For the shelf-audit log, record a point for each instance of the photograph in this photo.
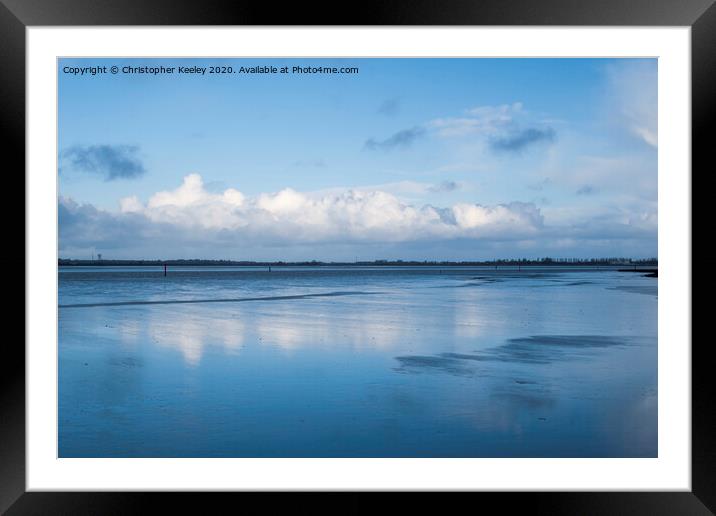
(415, 248)
(357, 257)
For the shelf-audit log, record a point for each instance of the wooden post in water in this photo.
(165, 270)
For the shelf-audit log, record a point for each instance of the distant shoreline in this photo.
(596, 262)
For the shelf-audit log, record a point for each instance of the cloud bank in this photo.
(193, 221)
(351, 215)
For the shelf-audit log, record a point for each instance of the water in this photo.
(357, 362)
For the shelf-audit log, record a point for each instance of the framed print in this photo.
(423, 252)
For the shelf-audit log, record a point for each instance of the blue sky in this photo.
(408, 158)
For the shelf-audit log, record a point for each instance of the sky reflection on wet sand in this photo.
(415, 364)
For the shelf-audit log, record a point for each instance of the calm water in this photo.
(357, 362)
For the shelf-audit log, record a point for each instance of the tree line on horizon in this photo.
(508, 261)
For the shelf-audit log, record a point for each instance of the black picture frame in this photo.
(16, 15)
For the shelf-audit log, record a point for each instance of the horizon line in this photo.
(545, 260)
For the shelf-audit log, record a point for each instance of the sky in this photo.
(417, 159)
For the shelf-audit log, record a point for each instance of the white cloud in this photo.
(191, 222)
(506, 129)
(407, 191)
(633, 89)
(483, 120)
(190, 205)
(350, 214)
(130, 205)
(473, 216)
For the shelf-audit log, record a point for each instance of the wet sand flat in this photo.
(357, 362)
